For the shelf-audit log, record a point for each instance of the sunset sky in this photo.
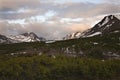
(53, 19)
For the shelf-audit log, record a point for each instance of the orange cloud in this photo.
(79, 27)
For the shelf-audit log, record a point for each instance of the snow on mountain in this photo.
(26, 37)
(72, 36)
(96, 33)
(4, 39)
(108, 24)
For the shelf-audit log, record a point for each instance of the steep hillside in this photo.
(109, 24)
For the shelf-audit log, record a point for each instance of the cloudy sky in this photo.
(53, 19)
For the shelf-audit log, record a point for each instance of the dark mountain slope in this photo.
(110, 24)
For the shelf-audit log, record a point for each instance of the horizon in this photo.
(53, 19)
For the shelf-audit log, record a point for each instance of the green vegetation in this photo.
(59, 68)
(98, 47)
(37, 61)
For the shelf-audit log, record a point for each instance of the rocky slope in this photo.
(4, 39)
(110, 24)
(25, 37)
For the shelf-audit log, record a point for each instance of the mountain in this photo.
(26, 37)
(109, 24)
(101, 42)
(4, 39)
(72, 36)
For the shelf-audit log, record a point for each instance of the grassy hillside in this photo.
(95, 58)
(106, 46)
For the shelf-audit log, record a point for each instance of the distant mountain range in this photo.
(101, 41)
(4, 39)
(109, 24)
(25, 37)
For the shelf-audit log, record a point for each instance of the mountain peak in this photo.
(26, 37)
(28, 33)
(107, 25)
(106, 20)
(4, 39)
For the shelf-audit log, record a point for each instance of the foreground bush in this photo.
(59, 68)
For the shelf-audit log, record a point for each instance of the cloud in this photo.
(79, 27)
(53, 30)
(8, 29)
(103, 9)
(70, 20)
(112, 1)
(16, 4)
(52, 19)
(14, 9)
(76, 10)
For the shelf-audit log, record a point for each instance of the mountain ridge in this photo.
(24, 37)
(107, 25)
(110, 23)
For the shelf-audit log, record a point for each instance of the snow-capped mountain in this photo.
(4, 39)
(72, 36)
(26, 37)
(109, 24)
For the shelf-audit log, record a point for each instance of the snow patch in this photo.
(95, 43)
(106, 21)
(94, 34)
(116, 31)
(72, 36)
(2, 41)
(78, 35)
(113, 22)
(51, 41)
